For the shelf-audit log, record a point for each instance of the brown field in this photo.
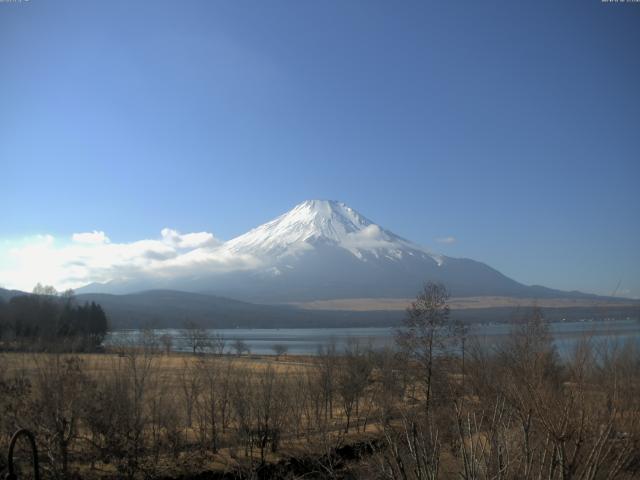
(458, 303)
(141, 413)
(171, 365)
(176, 379)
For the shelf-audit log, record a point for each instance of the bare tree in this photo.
(15, 389)
(352, 379)
(190, 387)
(538, 417)
(410, 451)
(327, 359)
(167, 343)
(244, 416)
(213, 374)
(149, 340)
(44, 290)
(196, 337)
(57, 407)
(428, 330)
(240, 347)
(280, 349)
(391, 384)
(527, 413)
(270, 408)
(116, 414)
(218, 343)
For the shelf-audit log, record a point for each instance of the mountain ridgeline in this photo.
(173, 309)
(323, 250)
(285, 272)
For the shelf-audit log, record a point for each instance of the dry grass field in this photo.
(142, 413)
(180, 397)
(461, 303)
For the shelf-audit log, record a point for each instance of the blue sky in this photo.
(513, 127)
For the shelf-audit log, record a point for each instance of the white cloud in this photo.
(446, 240)
(189, 240)
(370, 237)
(93, 257)
(90, 237)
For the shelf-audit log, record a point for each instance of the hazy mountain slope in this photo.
(170, 309)
(326, 250)
(7, 295)
(165, 308)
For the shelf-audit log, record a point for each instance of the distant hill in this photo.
(7, 295)
(170, 309)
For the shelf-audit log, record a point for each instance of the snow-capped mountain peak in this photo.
(321, 222)
(322, 249)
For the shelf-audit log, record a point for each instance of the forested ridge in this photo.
(46, 317)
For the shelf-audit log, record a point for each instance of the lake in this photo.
(305, 341)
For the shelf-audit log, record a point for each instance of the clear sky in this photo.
(512, 127)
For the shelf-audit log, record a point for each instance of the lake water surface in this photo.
(305, 341)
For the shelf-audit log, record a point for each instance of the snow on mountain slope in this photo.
(328, 222)
(322, 250)
(309, 220)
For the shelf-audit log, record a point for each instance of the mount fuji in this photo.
(324, 250)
